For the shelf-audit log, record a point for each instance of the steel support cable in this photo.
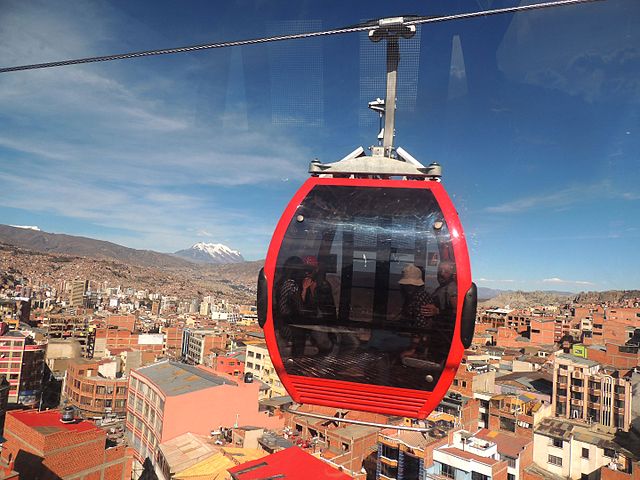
(294, 36)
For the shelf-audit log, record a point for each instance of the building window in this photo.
(388, 470)
(478, 476)
(556, 442)
(448, 471)
(553, 460)
(609, 452)
(511, 476)
(389, 452)
(585, 453)
(511, 462)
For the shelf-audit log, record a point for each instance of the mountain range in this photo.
(203, 267)
(215, 253)
(39, 241)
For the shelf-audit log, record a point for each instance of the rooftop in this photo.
(456, 452)
(215, 466)
(289, 464)
(509, 445)
(186, 450)
(178, 379)
(48, 422)
(579, 360)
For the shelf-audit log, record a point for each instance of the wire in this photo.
(338, 31)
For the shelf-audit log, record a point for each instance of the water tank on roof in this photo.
(248, 377)
(68, 415)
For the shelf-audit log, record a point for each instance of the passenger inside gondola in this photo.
(318, 307)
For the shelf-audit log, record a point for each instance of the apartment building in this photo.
(401, 454)
(78, 289)
(22, 363)
(470, 457)
(15, 310)
(70, 327)
(258, 363)
(465, 410)
(574, 450)
(198, 344)
(96, 387)
(168, 399)
(586, 390)
(518, 414)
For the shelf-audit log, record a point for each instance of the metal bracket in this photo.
(357, 422)
(357, 163)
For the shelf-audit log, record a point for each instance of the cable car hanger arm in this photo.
(368, 26)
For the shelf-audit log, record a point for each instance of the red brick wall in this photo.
(127, 322)
(542, 332)
(499, 471)
(63, 453)
(526, 457)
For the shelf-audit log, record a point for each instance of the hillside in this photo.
(187, 281)
(610, 296)
(39, 241)
(520, 299)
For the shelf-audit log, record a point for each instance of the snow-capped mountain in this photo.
(211, 253)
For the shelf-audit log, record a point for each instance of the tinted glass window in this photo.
(365, 287)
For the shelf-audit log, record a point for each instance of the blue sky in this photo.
(534, 117)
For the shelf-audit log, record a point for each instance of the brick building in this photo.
(231, 364)
(110, 339)
(39, 445)
(518, 414)
(22, 363)
(172, 341)
(543, 331)
(126, 322)
(95, 387)
(402, 454)
(465, 409)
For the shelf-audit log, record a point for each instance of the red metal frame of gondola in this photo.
(366, 397)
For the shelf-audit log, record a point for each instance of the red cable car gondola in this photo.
(366, 297)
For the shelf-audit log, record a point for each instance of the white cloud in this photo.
(489, 280)
(118, 145)
(557, 280)
(562, 198)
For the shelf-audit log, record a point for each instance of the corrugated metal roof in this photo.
(177, 378)
(215, 467)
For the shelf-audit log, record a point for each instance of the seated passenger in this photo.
(318, 307)
(288, 309)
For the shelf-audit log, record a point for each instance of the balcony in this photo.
(389, 461)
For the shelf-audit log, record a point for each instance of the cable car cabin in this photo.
(366, 296)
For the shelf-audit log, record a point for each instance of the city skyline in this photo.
(162, 153)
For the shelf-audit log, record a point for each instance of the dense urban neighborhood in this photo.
(107, 379)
